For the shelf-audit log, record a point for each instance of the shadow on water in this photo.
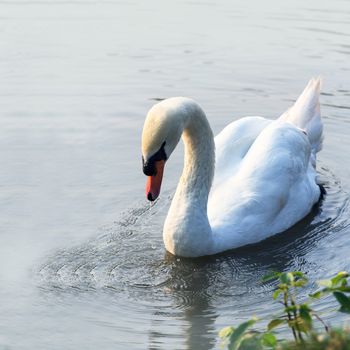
(128, 263)
(189, 288)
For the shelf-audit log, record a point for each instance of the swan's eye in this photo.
(149, 166)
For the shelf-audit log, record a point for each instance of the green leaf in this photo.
(237, 335)
(305, 307)
(306, 316)
(292, 308)
(268, 339)
(251, 341)
(226, 332)
(343, 300)
(325, 283)
(276, 293)
(316, 295)
(299, 274)
(275, 323)
(250, 344)
(300, 283)
(300, 325)
(339, 278)
(271, 276)
(287, 278)
(283, 287)
(345, 289)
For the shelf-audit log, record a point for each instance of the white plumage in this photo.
(263, 180)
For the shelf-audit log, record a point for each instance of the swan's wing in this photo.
(232, 145)
(273, 188)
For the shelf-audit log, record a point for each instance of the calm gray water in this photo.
(82, 263)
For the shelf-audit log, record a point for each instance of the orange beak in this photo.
(154, 182)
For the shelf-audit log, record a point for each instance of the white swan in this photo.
(265, 177)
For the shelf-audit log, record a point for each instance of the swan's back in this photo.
(232, 145)
(265, 179)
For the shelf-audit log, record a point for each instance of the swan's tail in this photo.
(305, 114)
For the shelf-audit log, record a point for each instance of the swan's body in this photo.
(264, 181)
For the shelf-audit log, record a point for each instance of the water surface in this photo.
(82, 262)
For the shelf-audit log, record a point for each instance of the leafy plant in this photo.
(299, 317)
(244, 338)
(336, 339)
(338, 286)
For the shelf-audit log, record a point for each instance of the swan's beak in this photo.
(155, 181)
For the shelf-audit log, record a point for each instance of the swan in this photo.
(260, 181)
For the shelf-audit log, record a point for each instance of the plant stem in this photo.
(285, 298)
(320, 319)
(292, 300)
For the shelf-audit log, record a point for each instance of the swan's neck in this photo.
(187, 231)
(198, 172)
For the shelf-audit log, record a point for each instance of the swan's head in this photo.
(161, 133)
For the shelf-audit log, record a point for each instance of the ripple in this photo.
(129, 260)
(336, 106)
(324, 31)
(127, 270)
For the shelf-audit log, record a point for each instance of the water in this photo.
(81, 253)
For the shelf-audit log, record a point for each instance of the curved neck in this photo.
(199, 162)
(187, 231)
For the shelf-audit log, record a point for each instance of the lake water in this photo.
(82, 262)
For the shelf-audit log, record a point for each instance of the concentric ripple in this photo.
(128, 261)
